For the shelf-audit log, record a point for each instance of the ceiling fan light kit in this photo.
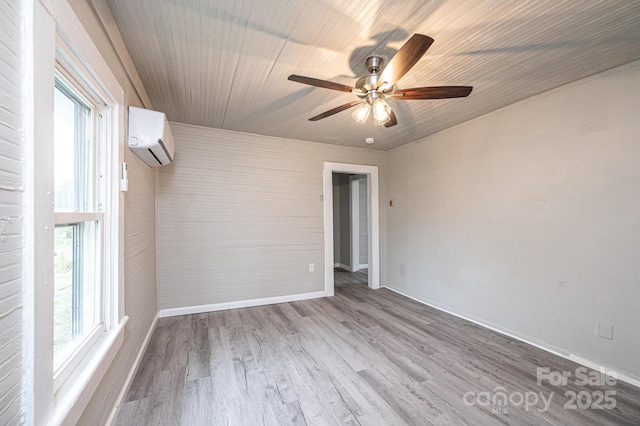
(379, 84)
(381, 111)
(361, 114)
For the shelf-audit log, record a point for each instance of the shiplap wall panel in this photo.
(11, 213)
(240, 216)
(224, 64)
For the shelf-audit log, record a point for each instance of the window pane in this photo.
(63, 286)
(74, 310)
(72, 153)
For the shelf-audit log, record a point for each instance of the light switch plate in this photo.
(605, 330)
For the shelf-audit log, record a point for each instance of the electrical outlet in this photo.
(312, 267)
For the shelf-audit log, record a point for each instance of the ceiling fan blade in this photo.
(334, 110)
(392, 120)
(436, 92)
(321, 83)
(405, 59)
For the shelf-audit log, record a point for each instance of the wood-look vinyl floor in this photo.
(342, 277)
(363, 357)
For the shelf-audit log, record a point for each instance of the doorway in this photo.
(350, 229)
(356, 173)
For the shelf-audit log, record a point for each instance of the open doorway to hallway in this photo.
(350, 229)
(373, 221)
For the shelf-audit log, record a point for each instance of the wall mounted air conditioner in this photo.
(150, 137)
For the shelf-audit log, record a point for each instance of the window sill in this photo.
(75, 394)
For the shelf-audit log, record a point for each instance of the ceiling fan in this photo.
(380, 84)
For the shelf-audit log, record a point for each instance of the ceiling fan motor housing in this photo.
(369, 82)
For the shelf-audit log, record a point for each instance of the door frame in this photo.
(373, 221)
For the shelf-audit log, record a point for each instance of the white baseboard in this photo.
(132, 373)
(587, 363)
(601, 368)
(189, 310)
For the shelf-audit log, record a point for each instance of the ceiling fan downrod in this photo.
(374, 64)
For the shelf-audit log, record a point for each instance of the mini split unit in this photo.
(150, 137)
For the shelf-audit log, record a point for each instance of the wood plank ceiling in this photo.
(224, 64)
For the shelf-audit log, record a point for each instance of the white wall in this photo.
(240, 216)
(363, 222)
(12, 215)
(342, 206)
(336, 218)
(528, 219)
(341, 220)
(344, 211)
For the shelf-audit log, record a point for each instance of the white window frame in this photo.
(73, 355)
(60, 38)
